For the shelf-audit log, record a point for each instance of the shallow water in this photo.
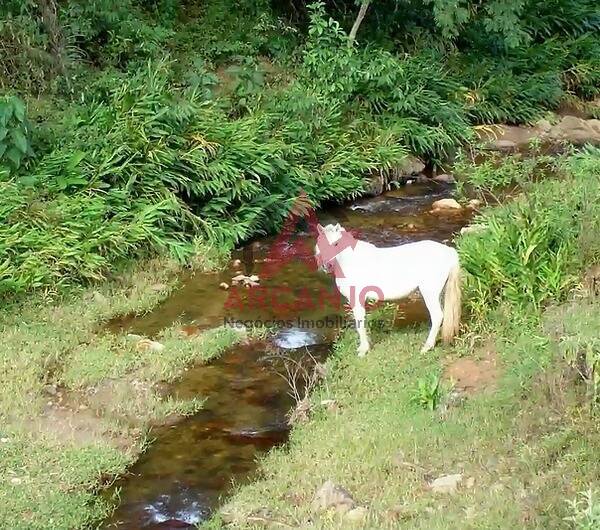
(191, 465)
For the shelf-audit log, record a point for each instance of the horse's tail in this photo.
(452, 305)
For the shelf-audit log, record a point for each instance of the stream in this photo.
(190, 466)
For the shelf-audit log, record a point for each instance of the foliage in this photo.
(497, 172)
(428, 393)
(575, 327)
(142, 170)
(534, 247)
(58, 475)
(15, 144)
(161, 122)
(585, 511)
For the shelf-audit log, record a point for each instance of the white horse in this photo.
(364, 272)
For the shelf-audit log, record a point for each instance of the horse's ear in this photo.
(320, 229)
(338, 227)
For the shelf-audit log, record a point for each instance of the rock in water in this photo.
(446, 483)
(446, 178)
(329, 495)
(446, 204)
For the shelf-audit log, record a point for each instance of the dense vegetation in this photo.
(142, 126)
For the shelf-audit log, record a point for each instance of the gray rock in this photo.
(574, 130)
(504, 145)
(357, 514)
(543, 125)
(332, 496)
(411, 165)
(380, 181)
(446, 483)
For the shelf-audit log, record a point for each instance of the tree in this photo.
(359, 18)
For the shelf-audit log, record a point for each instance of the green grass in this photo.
(523, 444)
(77, 401)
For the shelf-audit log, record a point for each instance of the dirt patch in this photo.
(471, 375)
(78, 426)
(114, 413)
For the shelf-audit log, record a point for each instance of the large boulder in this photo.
(574, 130)
(569, 130)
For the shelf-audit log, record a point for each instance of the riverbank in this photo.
(88, 398)
(78, 403)
(509, 438)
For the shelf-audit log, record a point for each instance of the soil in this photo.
(471, 375)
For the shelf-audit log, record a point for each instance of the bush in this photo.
(534, 247)
(148, 168)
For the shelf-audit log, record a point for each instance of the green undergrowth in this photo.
(153, 125)
(535, 248)
(521, 441)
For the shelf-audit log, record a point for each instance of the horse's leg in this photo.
(360, 314)
(431, 297)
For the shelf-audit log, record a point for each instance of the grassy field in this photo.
(515, 425)
(512, 414)
(77, 402)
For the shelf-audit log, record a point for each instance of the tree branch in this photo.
(359, 18)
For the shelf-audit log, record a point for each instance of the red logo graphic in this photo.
(289, 247)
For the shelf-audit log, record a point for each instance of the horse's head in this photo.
(328, 244)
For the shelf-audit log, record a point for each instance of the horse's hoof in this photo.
(425, 349)
(362, 351)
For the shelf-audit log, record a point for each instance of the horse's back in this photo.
(399, 270)
(419, 252)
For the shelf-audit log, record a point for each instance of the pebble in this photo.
(446, 483)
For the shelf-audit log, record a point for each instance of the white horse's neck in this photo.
(348, 257)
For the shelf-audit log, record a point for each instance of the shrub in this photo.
(534, 247)
(15, 145)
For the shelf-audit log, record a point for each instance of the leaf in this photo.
(77, 157)
(528, 253)
(28, 181)
(20, 140)
(15, 156)
(19, 109)
(3, 133)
